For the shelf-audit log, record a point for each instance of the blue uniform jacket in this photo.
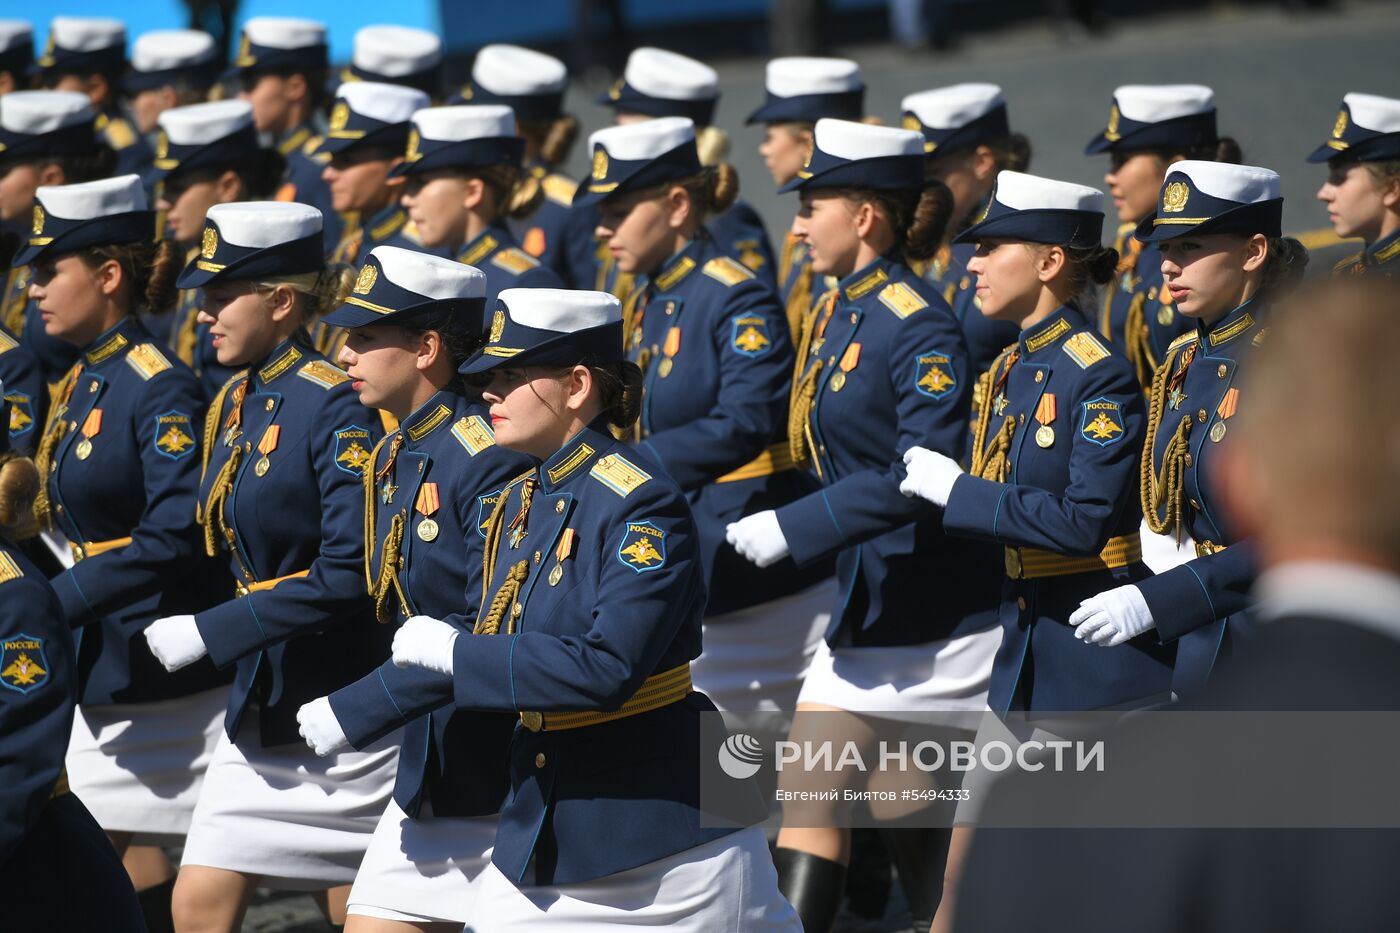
(495, 252)
(128, 466)
(625, 604)
(986, 338)
(1067, 493)
(302, 513)
(718, 363)
(739, 232)
(388, 226)
(1380, 258)
(1200, 602)
(1138, 316)
(24, 390)
(133, 154)
(558, 235)
(448, 462)
(302, 180)
(887, 370)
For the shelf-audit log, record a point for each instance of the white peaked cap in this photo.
(260, 224)
(794, 77)
(1153, 103)
(165, 49)
(1374, 113)
(1022, 192)
(388, 103)
(14, 32)
(87, 34)
(847, 139)
(92, 199)
(199, 124)
(646, 140)
(395, 51)
(513, 71)
(561, 310)
(466, 121)
(430, 276)
(954, 106)
(35, 112)
(1244, 184)
(283, 32)
(667, 75)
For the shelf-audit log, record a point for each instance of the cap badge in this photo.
(210, 244)
(600, 164)
(365, 280)
(1174, 197)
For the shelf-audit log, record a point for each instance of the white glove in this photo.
(931, 475)
(175, 642)
(1112, 617)
(425, 642)
(758, 538)
(319, 727)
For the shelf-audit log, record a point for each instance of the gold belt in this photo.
(93, 548)
(1028, 563)
(243, 589)
(775, 459)
(1207, 548)
(656, 691)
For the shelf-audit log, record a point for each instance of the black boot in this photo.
(920, 857)
(812, 885)
(868, 876)
(155, 905)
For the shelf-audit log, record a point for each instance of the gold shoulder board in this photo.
(726, 270)
(618, 474)
(323, 374)
(147, 360)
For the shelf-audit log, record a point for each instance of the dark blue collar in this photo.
(385, 222)
(1384, 250)
(1238, 322)
(432, 416)
(1051, 332)
(680, 264)
(494, 237)
(866, 280)
(113, 343)
(574, 458)
(284, 358)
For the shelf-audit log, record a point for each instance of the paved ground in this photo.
(1278, 79)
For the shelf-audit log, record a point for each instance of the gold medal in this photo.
(838, 381)
(428, 530)
(262, 466)
(1165, 315)
(1217, 432)
(556, 575)
(664, 369)
(84, 449)
(1045, 435)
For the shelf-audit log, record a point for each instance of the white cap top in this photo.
(198, 124)
(14, 32)
(259, 224)
(1244, 184)
(165, 49)
(846, 139)
(35, 112)
(120, 195)
(389, 103)
(954, 106)
(561, 310)
(86, 34)
(1377, 114)
(793, 77)
(465, 121)
(282, 32)
(512, 71)
(395, 51)
(1022, 192)
(659, 73)
(646, 140)
(1153, 103)
(430, 276)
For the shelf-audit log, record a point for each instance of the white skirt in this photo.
(139, 767)
(298, 821)
(756, 658)
(724, 886)
(425, 870)
(907, 681)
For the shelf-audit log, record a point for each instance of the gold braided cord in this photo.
(1137, 341)
(800, 440)
(215, 523)
(55, 427)
(388, 581)
(371, 486)
(991, 458)
(1157, 488)
(490, 623)
(211, 424)
(799, 302)
(495, 527)
(187, 337)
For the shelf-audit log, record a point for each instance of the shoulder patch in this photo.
(1084, 348)
(474, 434)
(485, 506)
(514, 260)
(21, 413)
(147, 360)
(901, 299)
(749, 335)
(619, 474)
(323, 374)
(934, 374)
(559, 189)
(1103, 422)
(643, 547)
(23, 665)
(7, 343)
(174, 436)
(729, 271)
(352, 449)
